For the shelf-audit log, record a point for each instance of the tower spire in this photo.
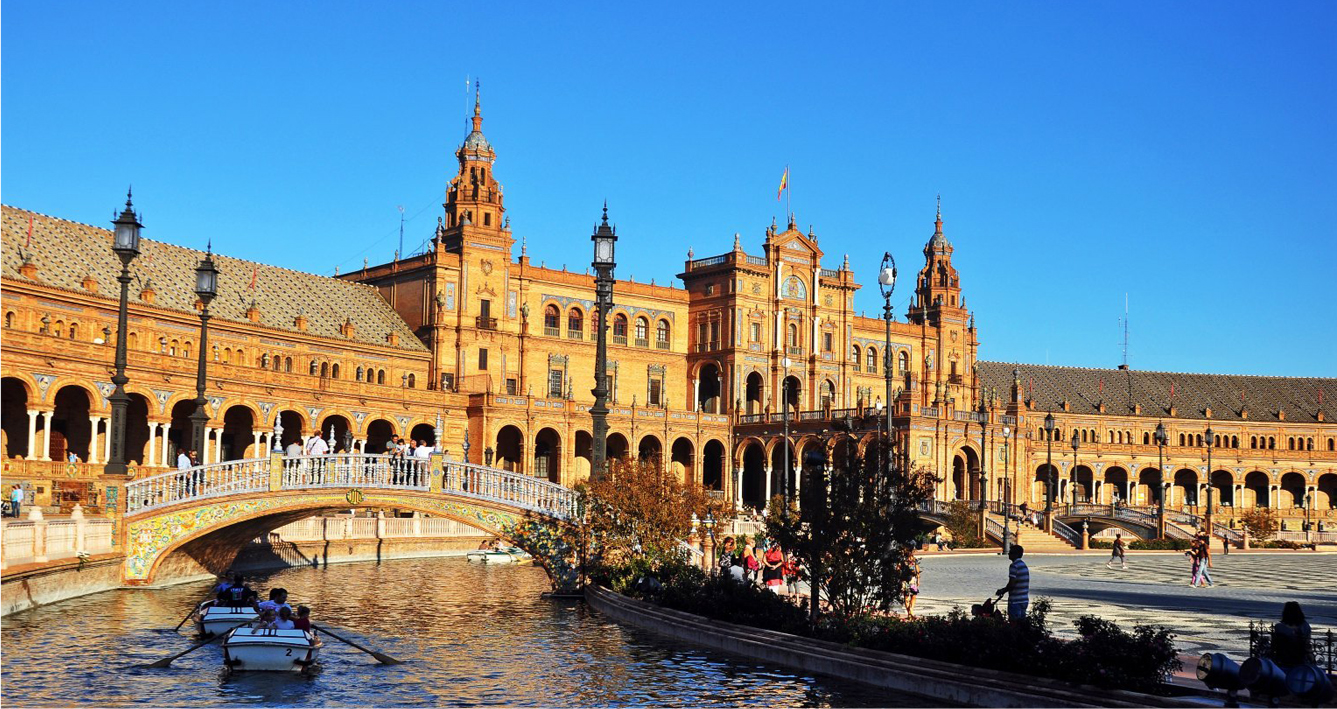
(478, 105)
(938, 219)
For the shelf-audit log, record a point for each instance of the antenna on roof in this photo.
(401, 232)
(1124, 323)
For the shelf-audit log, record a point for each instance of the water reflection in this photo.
(469, 635)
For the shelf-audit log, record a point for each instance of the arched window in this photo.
(380, 377)
(1290, 443)
(620, 329)
(264, 361)
(74, 330)
(871, 358)
(662, 335)
(858, 360)
(1332, 444)
(903, 360)
(793, 335)
(1271, 443)
(642, 332)
(575, 323)
(334, 371)
(187, 349)
(287, 364)
(324, 369)
(9, 319)
(1309, 442)
(1083, 434)
(1234, 441)
(594, 323)
(241, 357)
(1253, 441)
(358, 374)
(278, 363)
(59, 329)
(133, 341)
(1199, 440)
(413, 381)
(1146, 438)
(552, 320)
(1181, 440)
(315, 367)
(172, 348)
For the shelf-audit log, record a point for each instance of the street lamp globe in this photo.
(605, 239)
(1076, 442)
(206, 278)
(126, 241)
(1210, 437)
(1160, 434)
(886, 276)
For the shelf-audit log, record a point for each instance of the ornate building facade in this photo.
(468, 341)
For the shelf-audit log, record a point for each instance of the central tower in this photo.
(474, 204)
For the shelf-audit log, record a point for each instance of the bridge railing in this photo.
(356, 470)
(528, 493)
(1068, 534)
(214, 480)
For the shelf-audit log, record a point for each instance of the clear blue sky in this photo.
(1182, 154)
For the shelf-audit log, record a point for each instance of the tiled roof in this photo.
(1225, 394)
(65, 252)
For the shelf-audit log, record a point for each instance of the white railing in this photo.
(315, 529)
(350, 470)
(522, 491)
(40, 540)
(356, 470)
(214, 480)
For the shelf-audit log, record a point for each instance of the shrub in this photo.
(1281, 544)
(1260, 522)
(1162, 544)
(1107, 656)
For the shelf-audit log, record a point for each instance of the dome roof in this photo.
(476, 141)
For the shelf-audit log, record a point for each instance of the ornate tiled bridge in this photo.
(208, 511)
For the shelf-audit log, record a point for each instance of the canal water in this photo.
(468, 634)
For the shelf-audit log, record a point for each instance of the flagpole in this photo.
(788, 193)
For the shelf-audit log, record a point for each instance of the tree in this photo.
(853, 528)
(1260, 523)
(963, 523)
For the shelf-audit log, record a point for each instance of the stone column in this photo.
(32, 433)
(152, 458)
(38, 534)
(166, 443)
(256, 443)
(93, 422)
(766, 501)
(46, 437)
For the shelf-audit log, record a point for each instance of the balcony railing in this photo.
(575, 334)
(707, 346)
(794, 350)
(552, 331)
(642, 342)
(662, 344)
(619, 339)
(486, 323)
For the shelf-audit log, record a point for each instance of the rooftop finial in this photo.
(605, 212)
(737, 244)
(937, 221)
(478, 97)
(209, 247)
(128, 193)
(939, 205)
(524, 246)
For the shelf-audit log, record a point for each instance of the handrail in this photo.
(350, 470)
(1068, 534)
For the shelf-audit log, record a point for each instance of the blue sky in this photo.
(1179, 154)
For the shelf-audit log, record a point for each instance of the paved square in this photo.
(1153, 589)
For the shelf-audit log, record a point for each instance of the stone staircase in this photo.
(1038, 541)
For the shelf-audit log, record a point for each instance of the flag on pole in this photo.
(255, 271)
(784, 184)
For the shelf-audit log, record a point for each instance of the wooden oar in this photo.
(167, 661)
(189, 615)
(381, 657)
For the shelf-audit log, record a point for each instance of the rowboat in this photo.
(504, 555)
(216, 620)
(270, 650)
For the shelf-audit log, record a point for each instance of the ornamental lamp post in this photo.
(487, 456)
(1211, 442)
(1051, 475)
(605, 241)
(1072, 479)
(785, 401)
(1161, 438)
(126, 245)
(886, 283)
(206, 287)
(1007, 482)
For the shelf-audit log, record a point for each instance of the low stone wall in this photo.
(902, 674)
(32, 585)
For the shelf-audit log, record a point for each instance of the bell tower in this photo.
(474, 201)
(947, 329)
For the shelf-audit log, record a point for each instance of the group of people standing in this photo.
(763, 563)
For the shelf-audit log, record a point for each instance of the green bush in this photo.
(1100, 544)
(1280, 544)
(1162, 544)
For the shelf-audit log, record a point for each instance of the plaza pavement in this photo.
(1153, 590)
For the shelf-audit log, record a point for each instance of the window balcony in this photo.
(642, 342)
(619, 339)
(485, 323)
(552, 331)
(794, 350)
(575, 334)
(662, 345)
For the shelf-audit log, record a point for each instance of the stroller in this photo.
(987, 609)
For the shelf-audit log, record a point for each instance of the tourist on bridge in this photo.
(315, 445)
(1018, 588)
(423, 451)
(1118, 553)
(182, 459)
(293, 450)
(15, 500)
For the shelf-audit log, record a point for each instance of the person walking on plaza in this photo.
(1118, 553)
(1203, 575)
(15, 500)
(1018, 588)
(912, 585)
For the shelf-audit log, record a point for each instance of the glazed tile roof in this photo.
(65, 252)
(1224, 394)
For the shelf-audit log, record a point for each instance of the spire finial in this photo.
(129, 191)
(605, 212)
(937, 221)
(209, 247)
(939, 205)
(737, 242)
(524, 246)
(478, 97)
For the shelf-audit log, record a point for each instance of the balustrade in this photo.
(38, 540)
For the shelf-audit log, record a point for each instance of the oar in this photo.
(189, 615)
(381, 657)
(167, 661)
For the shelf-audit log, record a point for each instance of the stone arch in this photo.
(742, 445)
(584, 457)
(753, 483)
(342, 424)
(1085, 479)
(1291, 490)
(651, 449)
(712, 465)
(136, 429)
(791, 391)
(1257, 490)
(424, 432)
(239, 423)
(709, 388)
(1326, 492)
(1150, 487)
(1045, 476)
(548, 452)
(965, 479)
(1223, 487)
(294, 424)
(1184, 488)
(508, 448)
(616, 446)
(1114, 481)
(14, 402)
(379, 431)
(682, 457)
(755, 392)
(70, 429)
